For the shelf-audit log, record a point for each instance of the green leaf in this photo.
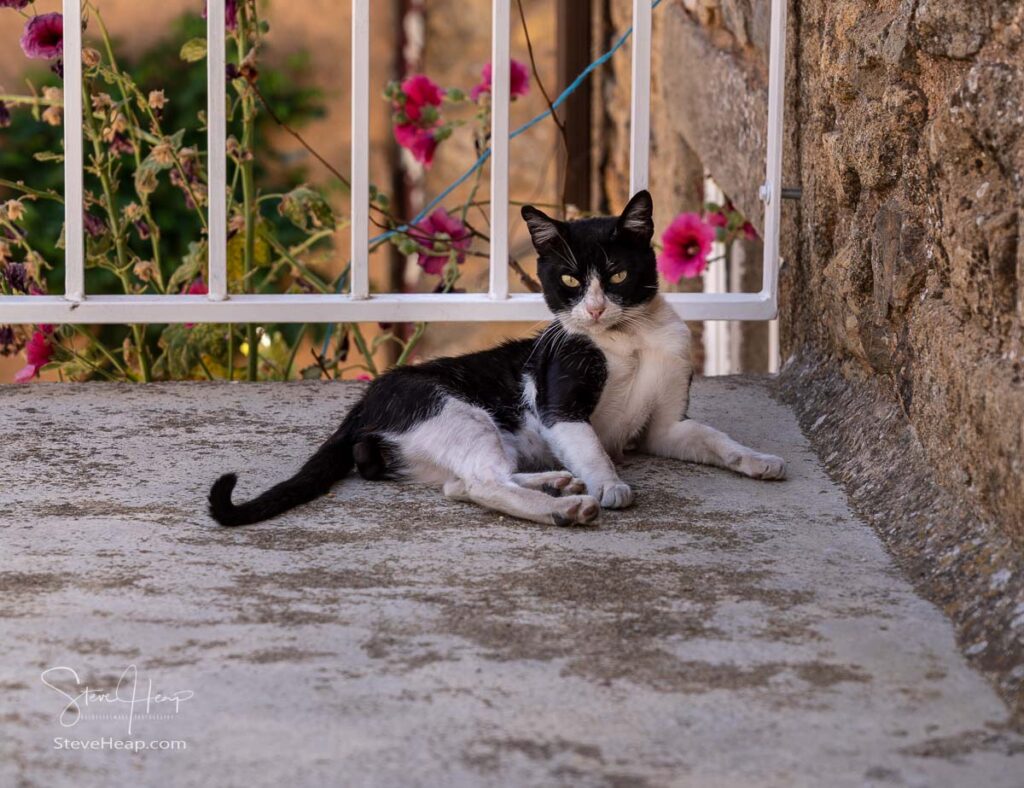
(193, 50)
(191, 266)
(236, 256)
(405, 244)
(307, 209)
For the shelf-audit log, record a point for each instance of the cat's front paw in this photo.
(576, 510)
(614, 495)
(763, 466)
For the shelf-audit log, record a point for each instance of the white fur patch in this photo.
(648, 374)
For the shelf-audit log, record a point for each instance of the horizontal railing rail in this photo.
(77, 306)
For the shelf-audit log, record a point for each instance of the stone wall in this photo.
(910, 267)
(905, 130)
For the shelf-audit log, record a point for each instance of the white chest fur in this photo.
(648, 367)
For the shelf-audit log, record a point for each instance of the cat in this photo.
(611, 373)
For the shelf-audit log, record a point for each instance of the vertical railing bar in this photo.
(216, 123)
(771, 192)
(640, 100)
(360, 193)
(74, 241)
(500, 87)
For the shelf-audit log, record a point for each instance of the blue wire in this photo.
(569, 90)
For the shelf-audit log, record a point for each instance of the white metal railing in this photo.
(218, 306)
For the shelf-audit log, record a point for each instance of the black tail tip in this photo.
(221, 508)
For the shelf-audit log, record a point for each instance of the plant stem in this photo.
(21, 187)
(295, 349)
(102, 169)
(290, 256)
(357, 335)
(248, 193)
(411, 344)
(133, 128)
(93, 342)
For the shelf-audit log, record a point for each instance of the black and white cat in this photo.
(611, 373)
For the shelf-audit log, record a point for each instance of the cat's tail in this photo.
(331, 463)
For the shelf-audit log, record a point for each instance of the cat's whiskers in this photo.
(575, 263)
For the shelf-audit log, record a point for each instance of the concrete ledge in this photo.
(965, 564)
(723, 631)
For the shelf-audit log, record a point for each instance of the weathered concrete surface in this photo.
(723, 631)
(956, 557)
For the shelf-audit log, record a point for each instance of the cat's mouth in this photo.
(588, 324)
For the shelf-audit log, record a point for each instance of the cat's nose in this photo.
(595, 311)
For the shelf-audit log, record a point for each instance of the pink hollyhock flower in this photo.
(420, 91)
(717, 219)
(519, 80)
(43, 37)
(198, 287)
(14, 3)
(749, 232)
(449, 232)
(417, 131)
(364, 376)
(38, 352)
(686, 244)
(418, 141)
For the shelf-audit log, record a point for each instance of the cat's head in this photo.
(596, 272)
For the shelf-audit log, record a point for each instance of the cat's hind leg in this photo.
(462, 446)
(693, 441)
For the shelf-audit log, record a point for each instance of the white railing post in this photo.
(640, 100)
(500, 88)
(217, 169)
(771, 192)
(74, 205)
(359, 272)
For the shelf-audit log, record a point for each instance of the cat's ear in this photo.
(636, 223)
(543, 229)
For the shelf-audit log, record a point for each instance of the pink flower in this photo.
(749, 232)
(44, 37)
(38, 352)
(437, 235)
(686, 244)
(198, 287)
(364, 376)
(717, 219)
(519, 80)
(418, 141)
(420, 91)
(416, 129)
(14, 3)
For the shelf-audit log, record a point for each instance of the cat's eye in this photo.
(570, 281)
(618, 278)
